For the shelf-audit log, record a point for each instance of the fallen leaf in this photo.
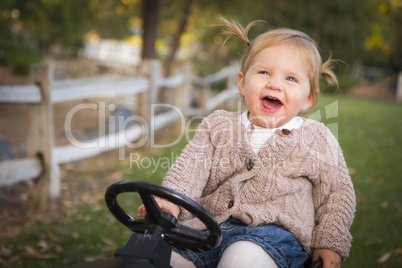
(89, 259)
(43, 245)
(384, 257)
(66, 203)
(6, 214)
(69, 212)
(58, 249)
(48, 256)
(52, 236)
(86, 196)
(352, 171)
(64, 186)
(398, 251)
(30, 252)
(76, 235)
(13, 259)
(24, 196)
(109, 242)
(376, 181)
(22, 223)
(5, 251)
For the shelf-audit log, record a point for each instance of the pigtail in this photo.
(327, 73)
(235, 29)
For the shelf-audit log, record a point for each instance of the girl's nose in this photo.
(275, 84)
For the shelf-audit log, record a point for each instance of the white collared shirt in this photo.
(260, 135)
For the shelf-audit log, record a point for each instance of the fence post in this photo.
(232, 83)
(40, 141)
(205, 94)
(182, 98)
(399, 88)
(151, 69)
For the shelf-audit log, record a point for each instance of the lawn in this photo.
(370, 133)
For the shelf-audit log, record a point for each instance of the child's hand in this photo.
(330, 258)
(163, 204)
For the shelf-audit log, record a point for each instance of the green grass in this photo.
(369, 132)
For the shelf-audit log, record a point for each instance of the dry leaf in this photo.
(109, 242)
(398, 251)
(384, 257)
(13, 259)
(76, 235)
(6, 214)
(66, 203)
(352, 171)
(48, 256)
(52, 236)
(69, 212)
(5, 252)
(89, 259)
(43, 245)
(30, 252)
(58, 249)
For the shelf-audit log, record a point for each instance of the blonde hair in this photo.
(279, 36)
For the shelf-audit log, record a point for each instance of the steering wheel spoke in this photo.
(153, 210)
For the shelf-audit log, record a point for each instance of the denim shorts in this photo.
(279, 243)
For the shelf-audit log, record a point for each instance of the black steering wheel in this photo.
(177, 235)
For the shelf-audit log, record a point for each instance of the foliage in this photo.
(19, 59)
(366, 32)
(41, 24)
(41, 27)
(369, 134)
(341, 27)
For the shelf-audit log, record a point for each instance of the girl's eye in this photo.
(292, 79)
(263, 72)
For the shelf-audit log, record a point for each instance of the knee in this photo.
(246, 254)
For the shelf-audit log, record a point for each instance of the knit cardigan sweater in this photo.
(298, 180)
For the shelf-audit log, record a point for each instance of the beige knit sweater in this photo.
(298, 180)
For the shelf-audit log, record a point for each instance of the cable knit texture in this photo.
(298, 180)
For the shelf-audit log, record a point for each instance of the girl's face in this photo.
(276, 87)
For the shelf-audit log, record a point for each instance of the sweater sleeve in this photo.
(189, 173)
(334, 200)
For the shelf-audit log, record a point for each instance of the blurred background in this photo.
(96, 38)
(365, 35)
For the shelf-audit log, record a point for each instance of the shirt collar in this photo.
(293, 123)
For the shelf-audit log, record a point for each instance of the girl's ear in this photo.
(309, 102)
(240, 82)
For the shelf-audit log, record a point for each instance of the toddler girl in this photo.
(276, 183)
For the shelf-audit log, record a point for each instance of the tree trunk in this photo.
(317, 22)
(176, 41)
(150, 26)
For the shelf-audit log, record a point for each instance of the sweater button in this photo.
(286, 131)
(230, 205)
(250, 165)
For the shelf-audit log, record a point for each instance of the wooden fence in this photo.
(44, 157)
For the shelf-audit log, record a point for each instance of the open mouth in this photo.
(271, 103)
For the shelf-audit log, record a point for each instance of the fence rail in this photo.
(16, 170)
(20, 94)
(43, 157)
